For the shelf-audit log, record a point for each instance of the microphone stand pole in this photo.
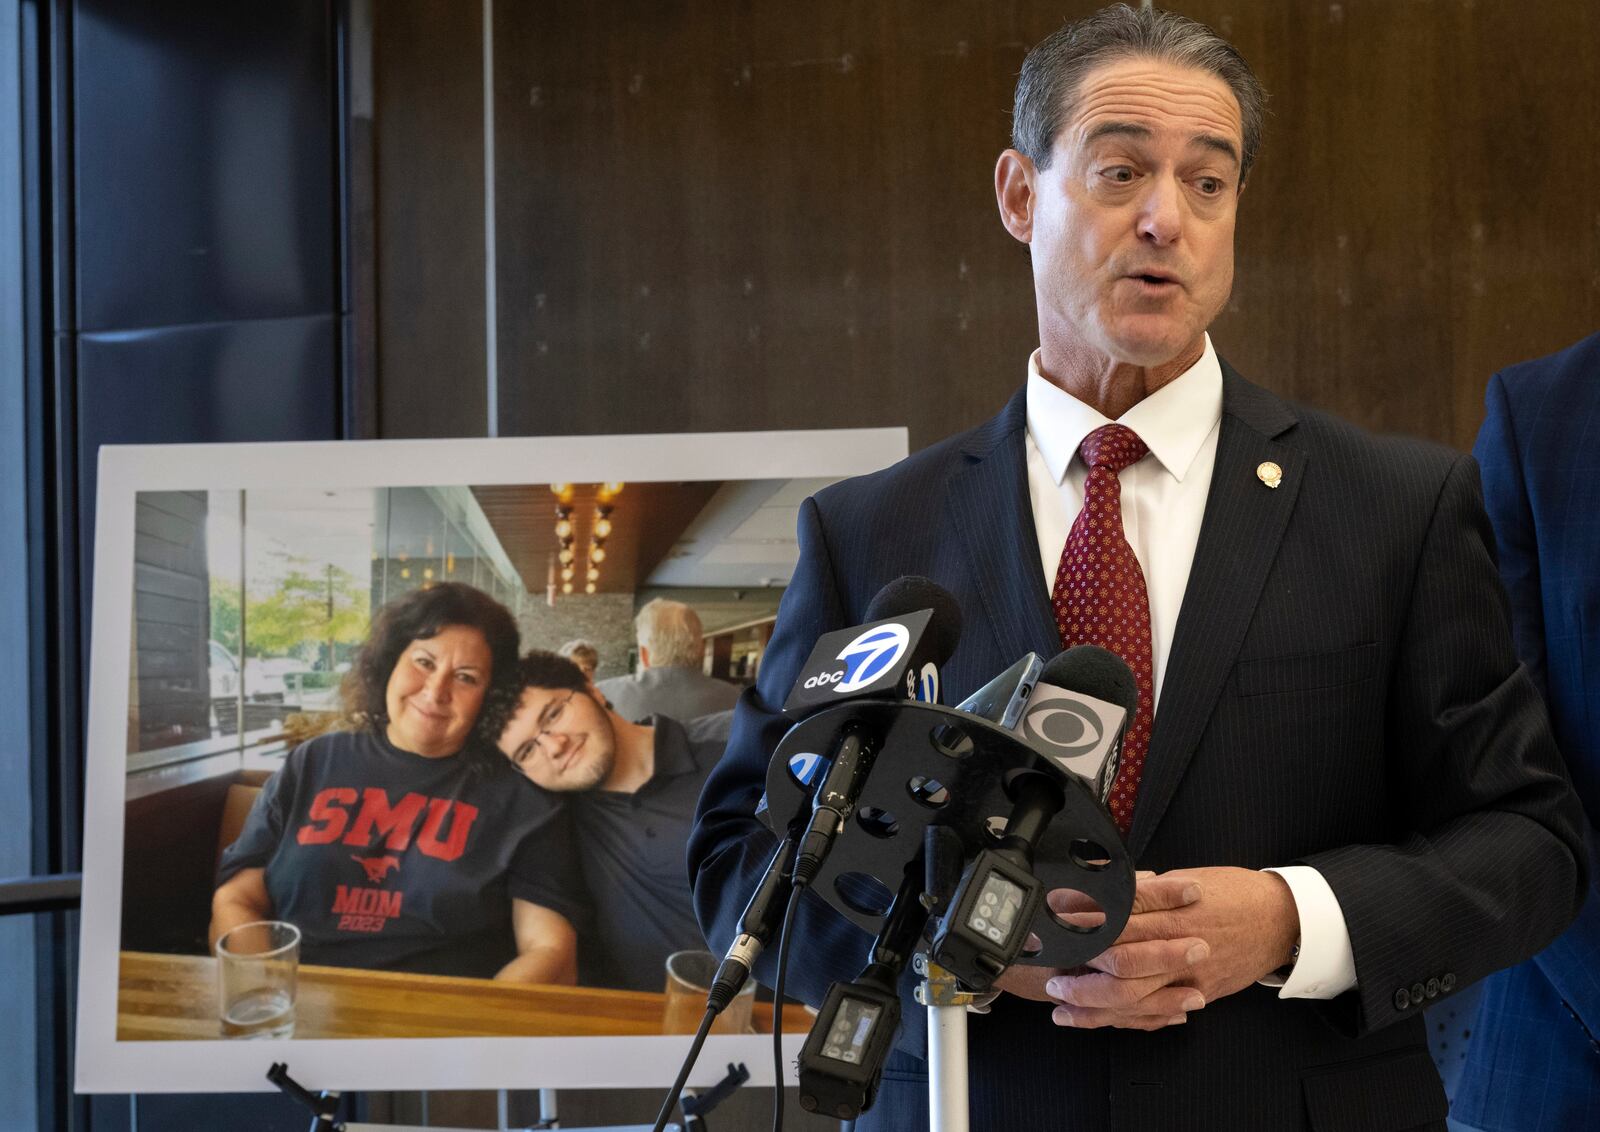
(946, 1003)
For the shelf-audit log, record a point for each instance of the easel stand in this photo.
(323, 1105)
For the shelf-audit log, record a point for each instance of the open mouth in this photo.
(1153, 278)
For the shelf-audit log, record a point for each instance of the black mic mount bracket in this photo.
(935, 766)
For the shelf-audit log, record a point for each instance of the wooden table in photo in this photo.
(174, 998)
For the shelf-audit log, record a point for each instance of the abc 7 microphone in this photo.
(913, 625)
(911, 628)
(1075, 718)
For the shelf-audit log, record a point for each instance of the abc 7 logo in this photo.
(866, 658)
(1069, 728)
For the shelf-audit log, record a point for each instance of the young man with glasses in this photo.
(631, 790)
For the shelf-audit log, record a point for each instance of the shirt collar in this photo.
(1174, 421)
(673, 753)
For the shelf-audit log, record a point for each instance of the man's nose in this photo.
(1161, 218)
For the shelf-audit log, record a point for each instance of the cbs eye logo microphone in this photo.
(1066, 728)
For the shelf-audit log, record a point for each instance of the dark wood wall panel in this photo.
(720, 215)
(427, 82)
(734, 216)
(1427, 207)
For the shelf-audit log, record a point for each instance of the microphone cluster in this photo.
(1047, 741)
(969, 893)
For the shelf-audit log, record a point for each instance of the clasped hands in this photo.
(1194, 935)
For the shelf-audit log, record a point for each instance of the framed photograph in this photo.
(324, 826)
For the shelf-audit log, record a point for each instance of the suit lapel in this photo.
(990, 511)
(1244, 523)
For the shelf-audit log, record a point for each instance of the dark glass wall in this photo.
(181, 246)
(17, 972)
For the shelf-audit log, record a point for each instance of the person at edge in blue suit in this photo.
(1533, 1062)
(1350, 804)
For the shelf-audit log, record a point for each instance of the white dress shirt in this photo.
(1163, 506)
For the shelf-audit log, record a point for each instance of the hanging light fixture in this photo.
(597, 554)
(589, 589)
(594, 574)
(566, 573)
(566, 587)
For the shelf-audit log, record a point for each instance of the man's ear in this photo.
(1014, 186)
(644, 657)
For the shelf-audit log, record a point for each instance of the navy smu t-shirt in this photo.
(385, 859)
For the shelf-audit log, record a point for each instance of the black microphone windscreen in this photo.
(1094, 671)
(909, 593)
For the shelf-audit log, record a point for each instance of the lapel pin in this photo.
(1269, 473)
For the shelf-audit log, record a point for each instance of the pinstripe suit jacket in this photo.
(1534, 1060)
(1341, 692)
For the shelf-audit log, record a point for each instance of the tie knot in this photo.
(1112, 447)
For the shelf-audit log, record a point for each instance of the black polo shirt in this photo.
(634, 862)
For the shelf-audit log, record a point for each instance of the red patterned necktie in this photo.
(1099, 596)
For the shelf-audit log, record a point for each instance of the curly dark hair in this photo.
(538, 669)
(417, 616)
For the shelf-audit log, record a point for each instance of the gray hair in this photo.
(1054, 70)
(581, 653)
(672, 633)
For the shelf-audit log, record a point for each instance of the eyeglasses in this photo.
(552, 716)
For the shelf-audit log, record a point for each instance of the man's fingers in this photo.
(1169, 957)
(1074, 909)
(1152, 894)
(1025, 982)
(1164, 893)
(1102, 992)
(1152, 995)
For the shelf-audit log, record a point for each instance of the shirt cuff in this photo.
(1326, 967)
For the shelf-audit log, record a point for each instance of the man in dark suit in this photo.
(1534, 1058)
(1327, 686)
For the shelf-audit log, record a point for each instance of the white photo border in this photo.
(106, 1065)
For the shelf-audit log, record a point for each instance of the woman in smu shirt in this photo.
(408, 843)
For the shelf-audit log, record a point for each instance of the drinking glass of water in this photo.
(256, 968)
(689, 978)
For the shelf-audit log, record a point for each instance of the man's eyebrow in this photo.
(1218, 143)
(1215, 142)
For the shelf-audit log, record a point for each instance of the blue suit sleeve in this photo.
(1572, 962)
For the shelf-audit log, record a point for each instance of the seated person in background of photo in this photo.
(631, 791)
(583, 654)
(405, 843)
(672, 649)
(586, 657)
